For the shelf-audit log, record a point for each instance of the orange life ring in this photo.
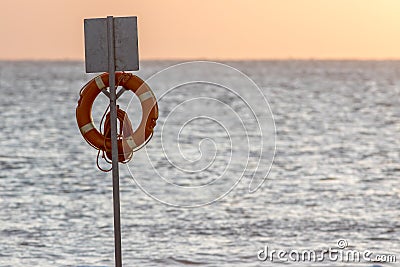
(126, 131)
(126, 143)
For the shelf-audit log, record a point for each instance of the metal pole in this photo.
(114, 142)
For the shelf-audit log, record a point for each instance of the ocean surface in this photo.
(334, 178)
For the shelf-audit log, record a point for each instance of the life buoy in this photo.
(130, 140)
(125, 131)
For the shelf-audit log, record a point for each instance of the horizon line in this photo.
(210, 59)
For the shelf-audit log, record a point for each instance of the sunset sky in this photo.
(209, 29)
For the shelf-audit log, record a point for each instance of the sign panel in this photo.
(125, 43)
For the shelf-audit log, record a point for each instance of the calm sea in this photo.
(335, 175)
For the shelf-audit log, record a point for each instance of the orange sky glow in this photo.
(209, 29)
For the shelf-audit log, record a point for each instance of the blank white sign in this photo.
(125, 43)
